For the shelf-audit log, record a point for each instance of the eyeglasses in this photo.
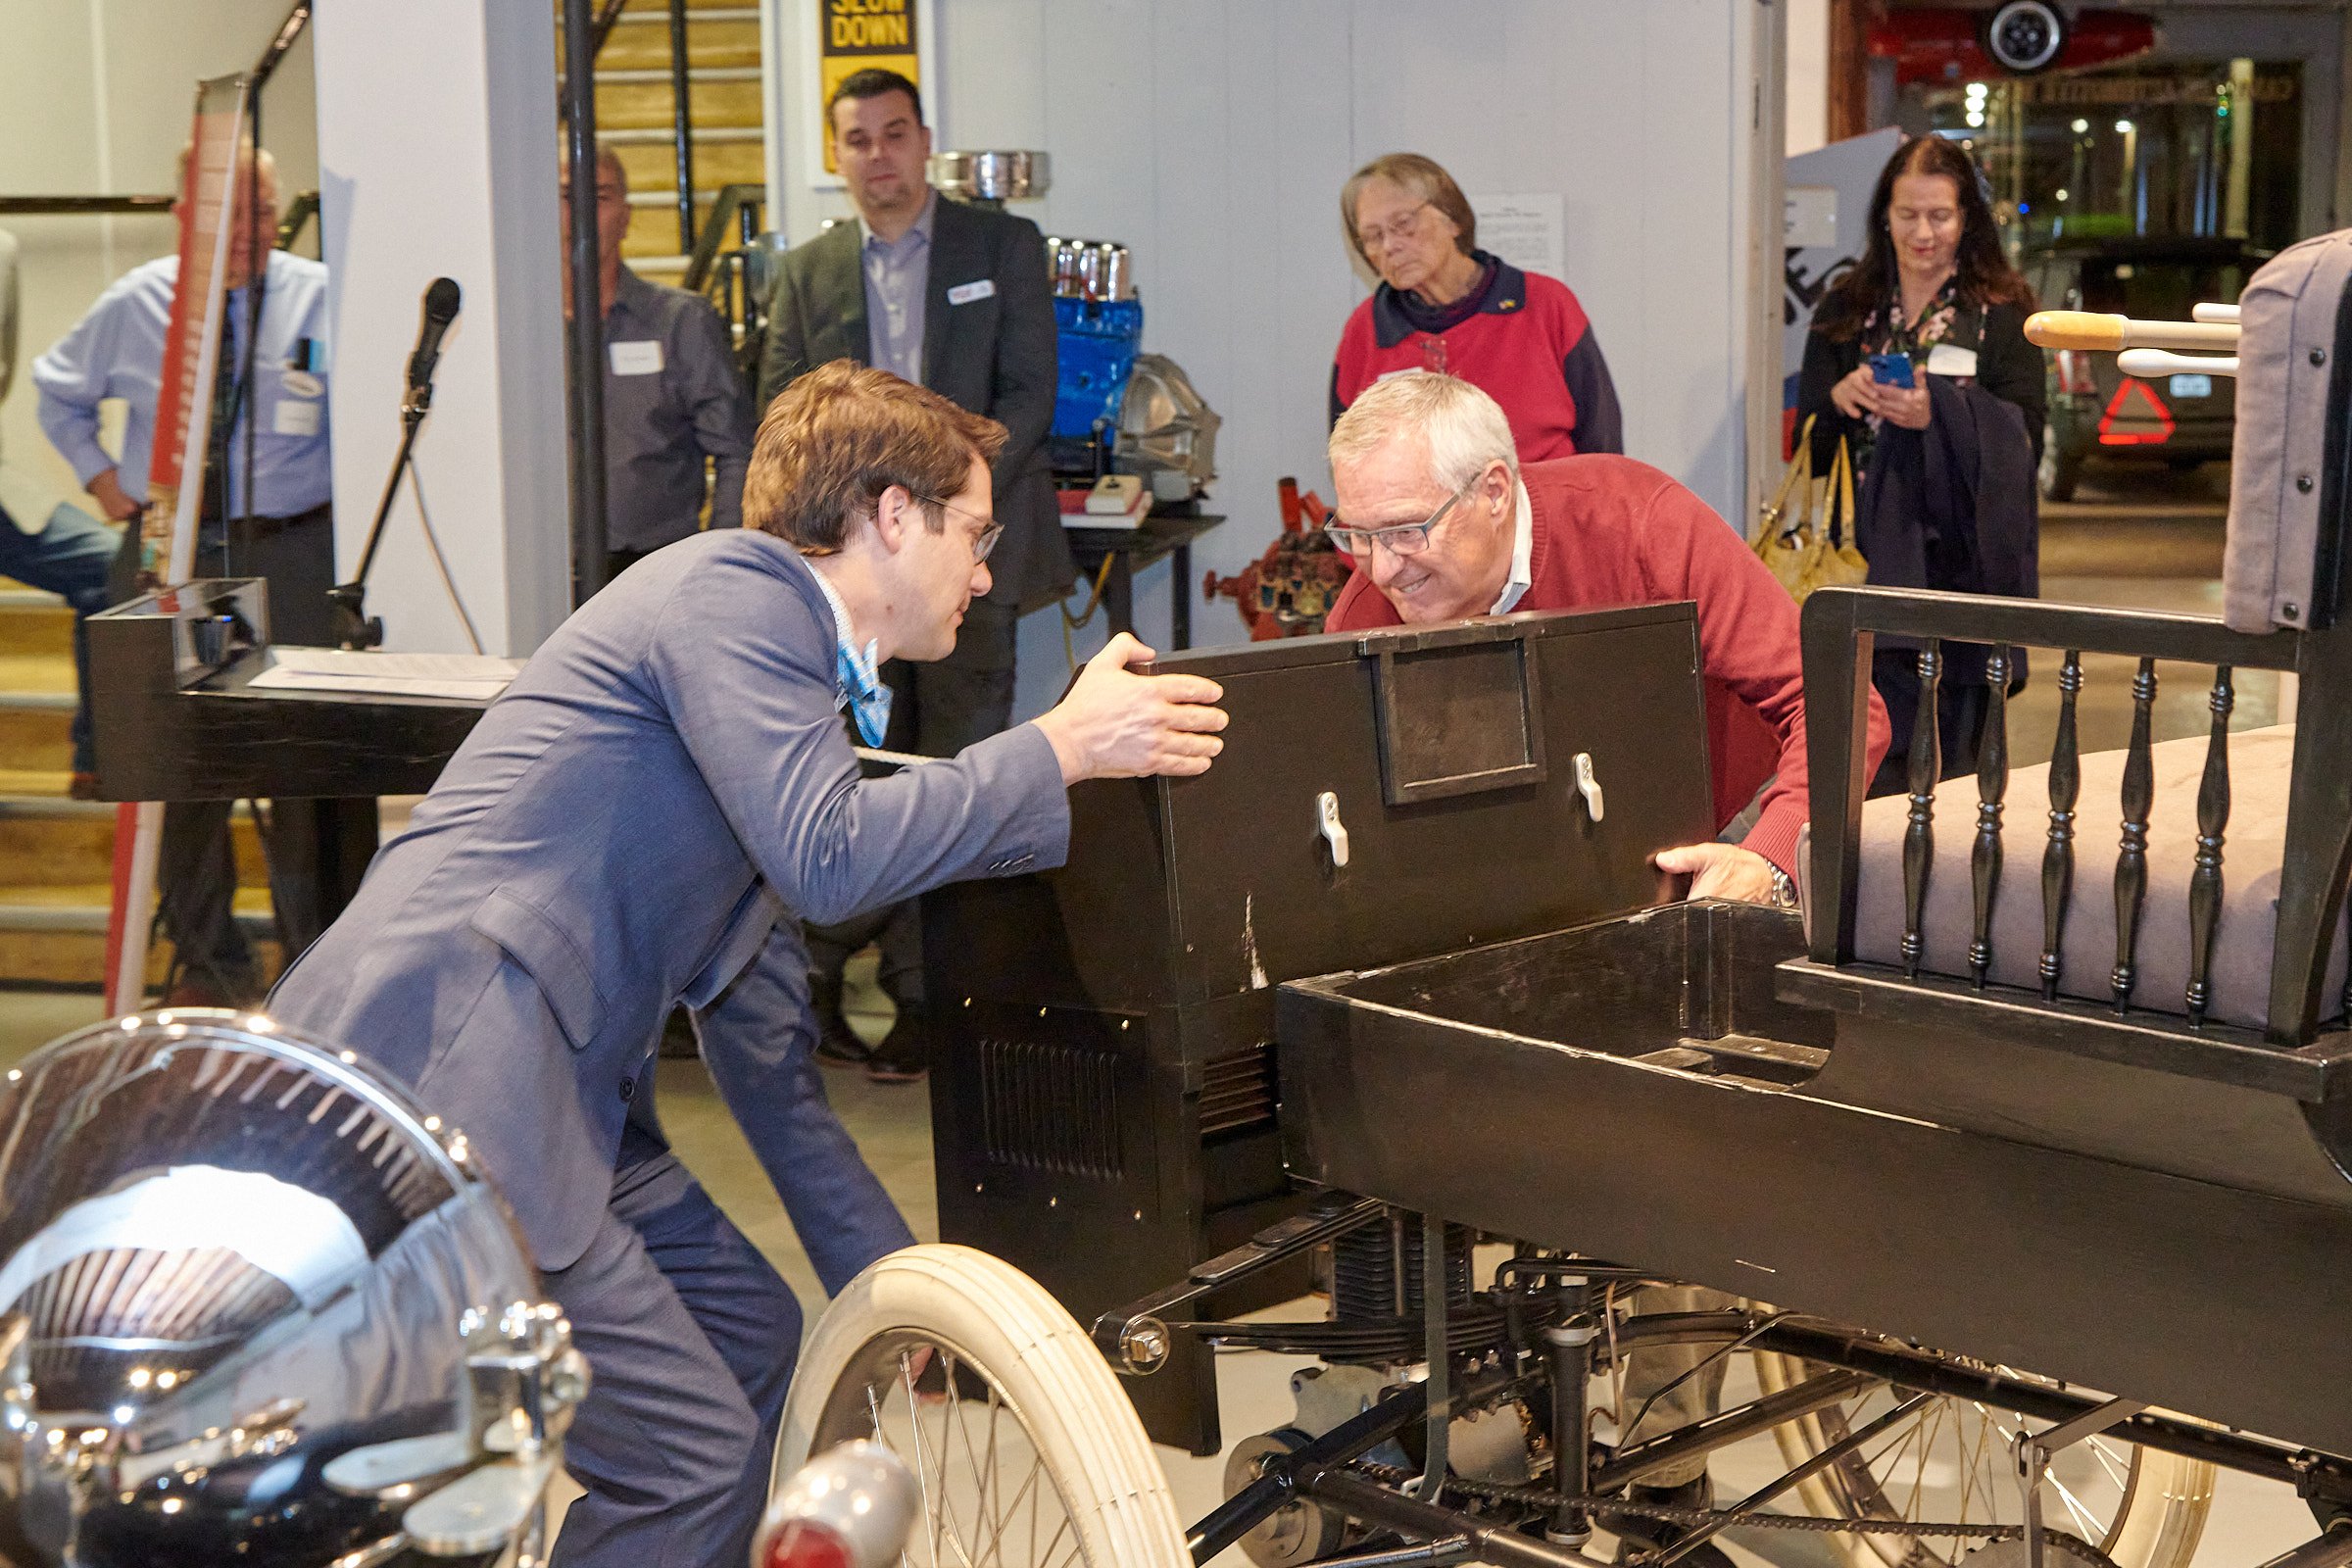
(1401, 539)
(1373, 236)
(991, 530)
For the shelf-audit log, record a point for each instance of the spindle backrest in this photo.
(2287, 594)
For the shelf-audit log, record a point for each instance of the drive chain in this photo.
(1546, 1500)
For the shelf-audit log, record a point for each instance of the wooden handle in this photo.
(2075, 329)
(2084, 329)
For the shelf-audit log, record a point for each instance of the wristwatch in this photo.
(1784, 888)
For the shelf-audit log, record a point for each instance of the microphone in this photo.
(440, 309)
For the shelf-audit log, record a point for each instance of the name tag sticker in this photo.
(296, 417)
(303, 384)
(965, 293)
(1949, 359)
(640, 358)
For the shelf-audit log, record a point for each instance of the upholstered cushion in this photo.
(2286, 350)
(2261, 762)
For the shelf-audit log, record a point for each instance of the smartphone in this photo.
(1892, 369)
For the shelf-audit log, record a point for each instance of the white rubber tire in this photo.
(1048, 1372)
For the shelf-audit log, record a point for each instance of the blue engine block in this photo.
(1098, 342)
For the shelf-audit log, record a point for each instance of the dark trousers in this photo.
(1960, 708)
(935, 711)
(617, 561)
(68, 558)
(196, 874)
(691, 1339)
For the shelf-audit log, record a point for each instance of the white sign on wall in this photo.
(1809, 217)
(1827, 207)
(1526, 230)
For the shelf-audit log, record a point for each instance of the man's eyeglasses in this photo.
(1401, 539)
(1372, 236)
(991, 530)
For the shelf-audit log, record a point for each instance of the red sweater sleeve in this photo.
(1747, 638)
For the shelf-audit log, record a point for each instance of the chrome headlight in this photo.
(256, 1307)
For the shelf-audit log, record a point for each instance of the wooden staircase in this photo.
(634, 116)
(57, 853)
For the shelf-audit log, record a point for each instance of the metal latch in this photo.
(1586, 785)
(1327, 823)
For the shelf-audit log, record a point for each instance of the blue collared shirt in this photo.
(117, 351)
(898, 278)
(856, 671)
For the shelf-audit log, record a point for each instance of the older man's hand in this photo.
(1720, 871)
(1117, 724)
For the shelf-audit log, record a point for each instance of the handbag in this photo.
(1799, 555)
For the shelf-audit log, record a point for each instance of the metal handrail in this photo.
(297, 217)
(607, 19)
(279, 43)
(599, 29)
(732, 202)
(82, 205)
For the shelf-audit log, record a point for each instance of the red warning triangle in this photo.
(2124, 425)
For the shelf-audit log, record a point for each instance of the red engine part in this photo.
(1289, 590)
(1944, 43)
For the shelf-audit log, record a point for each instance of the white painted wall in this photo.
(437, 147)
(1808, 94)
(1212, 137)
(95, 97)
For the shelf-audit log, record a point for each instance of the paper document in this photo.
(477, 677)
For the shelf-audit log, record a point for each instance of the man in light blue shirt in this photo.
(898, 272)
(285, 534)
(117, 351)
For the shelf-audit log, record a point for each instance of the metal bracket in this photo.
(1586, 785)
(1328, 823)
(1135, 1337)
(1438, 1419)
(2034, 1450)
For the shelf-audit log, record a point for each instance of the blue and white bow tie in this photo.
(862, 691)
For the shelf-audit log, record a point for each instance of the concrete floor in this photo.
(2145, 541)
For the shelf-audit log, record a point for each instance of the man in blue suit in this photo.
(643, 817)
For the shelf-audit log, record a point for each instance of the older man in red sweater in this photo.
(1443, 523)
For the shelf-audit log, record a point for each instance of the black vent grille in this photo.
(1236, 1092)
(1050, 1108)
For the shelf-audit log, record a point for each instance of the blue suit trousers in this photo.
(691, 1338)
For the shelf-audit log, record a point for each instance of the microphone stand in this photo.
(353, 626)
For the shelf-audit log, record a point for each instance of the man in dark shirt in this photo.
(672, 396)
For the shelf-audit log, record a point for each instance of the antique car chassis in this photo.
(1550, 1352)
(2149, 1202)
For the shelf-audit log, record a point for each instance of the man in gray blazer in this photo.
(955, 298)
(665, 786)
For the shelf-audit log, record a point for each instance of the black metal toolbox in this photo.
(1105, 1112)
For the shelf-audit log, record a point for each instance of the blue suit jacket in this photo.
(667, 780)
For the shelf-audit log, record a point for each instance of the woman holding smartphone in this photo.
(1931, 298)
(1932, 277)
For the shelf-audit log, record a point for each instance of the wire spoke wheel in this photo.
(1954, 1462)
(1025, 1451)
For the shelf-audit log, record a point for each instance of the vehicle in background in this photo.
(2094, 407)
